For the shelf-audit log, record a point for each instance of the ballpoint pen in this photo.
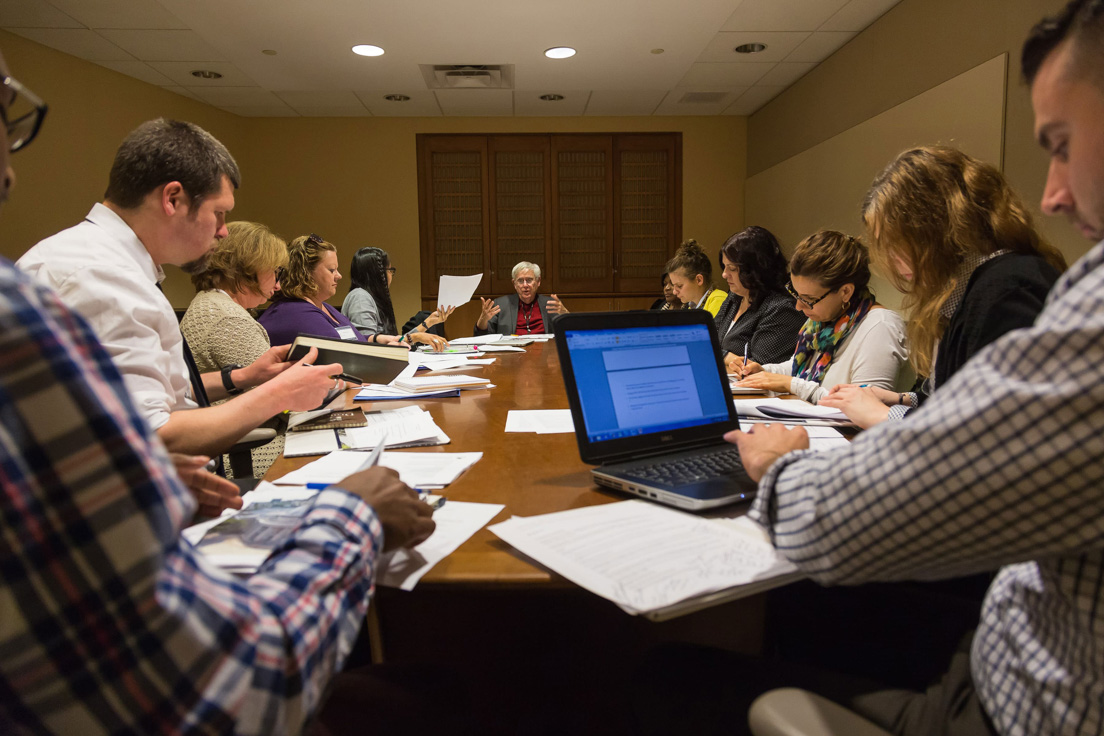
(743, 368)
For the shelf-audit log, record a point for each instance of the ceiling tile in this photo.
(857, 15)
(33, 14)
(752, 100)
(165, 45)
(721, 74)
(785, 74)
(672, 104)
(119, 13)
(183, 91)
(79, 42)
(530, 103)
(820, 45)
(476, 101)
(624, 102)
(315, 103)
(181, 73)
(781, 15)
(261, 111)
(779, 46)
(422, 103)
(138, 70)
(237, 96)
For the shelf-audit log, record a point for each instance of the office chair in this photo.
(793, 712)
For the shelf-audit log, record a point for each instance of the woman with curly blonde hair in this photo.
(950, 234)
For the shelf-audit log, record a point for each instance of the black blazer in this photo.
(505, 321)
(769, 328)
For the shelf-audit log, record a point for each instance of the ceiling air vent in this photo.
(702, 97)
(468, 76)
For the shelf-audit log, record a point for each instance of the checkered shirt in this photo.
(110, 623)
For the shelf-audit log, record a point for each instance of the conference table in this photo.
(488, 610)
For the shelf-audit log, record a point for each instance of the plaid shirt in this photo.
(1003, 467)
(109, 621)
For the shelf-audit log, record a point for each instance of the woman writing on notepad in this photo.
(758, 316)
(952, 235)
(368, 303)
(847, 336)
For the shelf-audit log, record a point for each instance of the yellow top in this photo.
(712, 303)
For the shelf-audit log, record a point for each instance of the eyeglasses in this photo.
(391, 270)
(312, 238)
(809, 302)
(22, 127)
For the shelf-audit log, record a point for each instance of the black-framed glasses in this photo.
(809, 302)
(22, 127)
(391, 270)
(312, 238)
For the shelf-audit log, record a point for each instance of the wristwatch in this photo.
(227, 381)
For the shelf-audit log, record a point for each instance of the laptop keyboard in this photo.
(722, 462)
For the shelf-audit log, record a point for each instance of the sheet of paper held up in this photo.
(456, 522)
(641, 556)
(452, 291)
(541, 421)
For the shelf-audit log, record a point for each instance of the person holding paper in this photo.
(691, 275)
(847, 337)
(112, 623)
(170, 189)
(525, 313)
(757, 317)
(368, 303)
(971, 270)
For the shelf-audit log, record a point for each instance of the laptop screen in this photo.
(633, 381)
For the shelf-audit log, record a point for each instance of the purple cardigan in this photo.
(286, 318)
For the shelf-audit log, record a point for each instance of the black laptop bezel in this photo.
(612, 451)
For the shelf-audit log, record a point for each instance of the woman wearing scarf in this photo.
(847, 337)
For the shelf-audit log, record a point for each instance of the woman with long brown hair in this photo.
(953, 236)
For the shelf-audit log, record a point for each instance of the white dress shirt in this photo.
(101, 270)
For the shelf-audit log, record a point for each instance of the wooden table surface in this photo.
(528, 473)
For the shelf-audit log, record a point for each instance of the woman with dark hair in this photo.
(668, 300)
(758, 317)
(847, 336)
(368, 303)
(691, 275)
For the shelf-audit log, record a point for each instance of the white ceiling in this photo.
(314, 73)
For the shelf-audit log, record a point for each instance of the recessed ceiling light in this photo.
(750, 48)
(552, 98)
(206, 74)
(396, 98)
(367, 49)
(657, 51)
(269, 52)
(560, 52)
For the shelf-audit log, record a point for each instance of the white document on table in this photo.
(429, 470)
(452, 291)
(541, 421)
(792, 409)
(311, 442)
(500, 349)
(438, 361)
(477, 340)
(642, 556)
(456, 522)
(403, 427)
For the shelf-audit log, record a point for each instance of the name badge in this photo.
(347, 333)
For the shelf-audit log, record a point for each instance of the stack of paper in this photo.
(423, 383)
(410, 426)
(379, 392)
(424, 470)
(648, 559)
(541, 421)
(790, 410)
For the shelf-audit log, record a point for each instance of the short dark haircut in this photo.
(368, 271)
(1083, 22)
(755, 251)
(160, 151)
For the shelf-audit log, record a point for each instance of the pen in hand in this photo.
(743, 367)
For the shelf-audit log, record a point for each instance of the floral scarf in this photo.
(817, 341)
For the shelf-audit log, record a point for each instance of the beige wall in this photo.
(916, 46)
(351, 180)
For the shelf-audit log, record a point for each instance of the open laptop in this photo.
(650, 401)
